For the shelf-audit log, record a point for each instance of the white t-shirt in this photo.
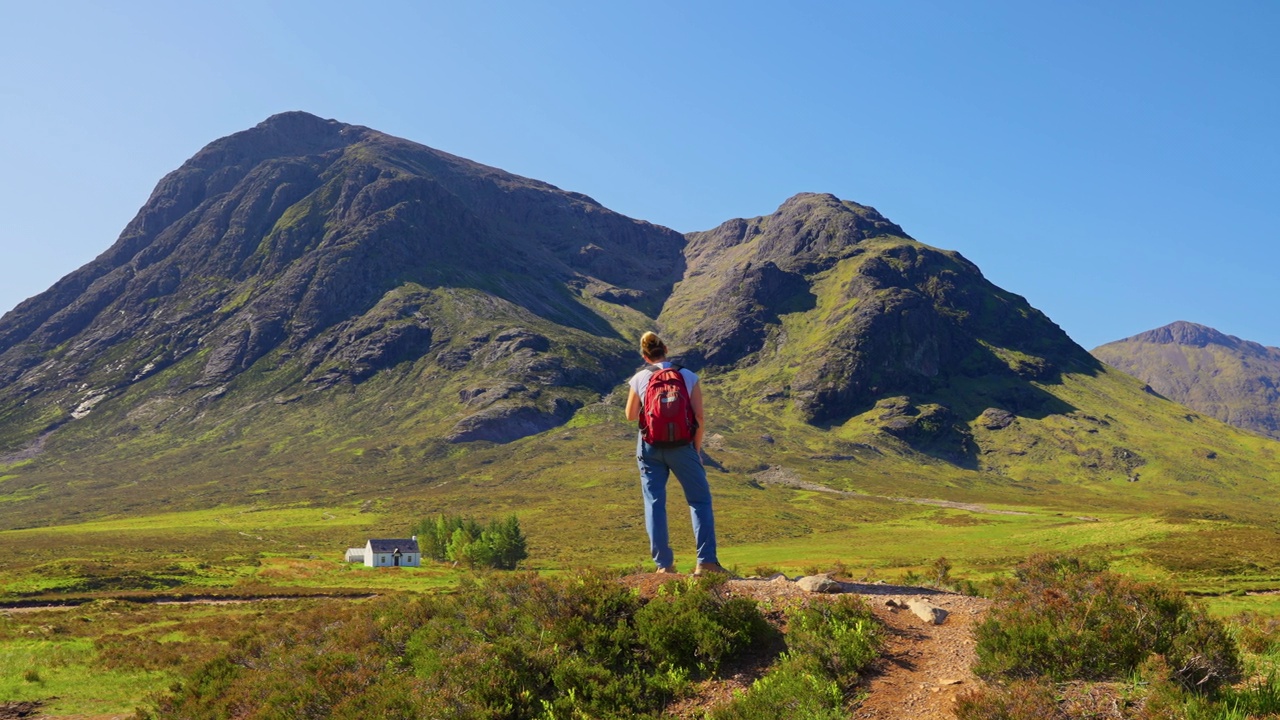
(640, 380)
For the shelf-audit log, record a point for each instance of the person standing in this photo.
(682, 455)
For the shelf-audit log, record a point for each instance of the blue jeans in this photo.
(656, 464)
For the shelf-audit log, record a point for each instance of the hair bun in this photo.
(652, 347)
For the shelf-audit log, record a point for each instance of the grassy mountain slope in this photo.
(355, 331)
(1234, 380)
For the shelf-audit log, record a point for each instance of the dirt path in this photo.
(922, 668)
(778, 475)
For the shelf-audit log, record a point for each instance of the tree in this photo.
(461, 539)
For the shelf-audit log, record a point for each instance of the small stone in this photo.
(779, 579)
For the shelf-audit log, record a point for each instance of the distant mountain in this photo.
(1233, 380)
(313, 312)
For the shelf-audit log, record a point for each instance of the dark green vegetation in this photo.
(455, 538)
(828, 646)
(1233, 380)
(1065, 620)
(520, 646)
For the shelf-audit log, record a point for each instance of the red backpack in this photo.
(667, 416)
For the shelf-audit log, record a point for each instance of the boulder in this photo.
(996, 419)
(819, 584)
(927, 612)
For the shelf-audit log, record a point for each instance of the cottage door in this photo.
(396, 555)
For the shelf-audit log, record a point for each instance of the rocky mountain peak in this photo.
(807, 228)
(288, 134)
(850, 309)
(1234, 380)
(1186, 333)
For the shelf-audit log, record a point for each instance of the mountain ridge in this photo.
(247, 250)
(1231, 379)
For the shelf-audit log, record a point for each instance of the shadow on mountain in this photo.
(935, 415)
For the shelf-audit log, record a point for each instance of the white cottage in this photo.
(395, 552)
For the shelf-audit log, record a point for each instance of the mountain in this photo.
(877, 312)
(1220, 375)
(313, 314)
(305, 254)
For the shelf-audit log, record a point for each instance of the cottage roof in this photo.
(404, 545)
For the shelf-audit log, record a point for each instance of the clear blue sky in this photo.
(1117, 163)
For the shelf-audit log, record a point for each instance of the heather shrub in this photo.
(690, 627)
(828, 646)
(1257, 633)
(1065, 619)
(794, 689)
(841, 636)
(1019, 700)
(501, 646)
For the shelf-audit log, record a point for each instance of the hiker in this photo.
(678, 448)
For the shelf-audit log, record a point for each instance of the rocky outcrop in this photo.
(996, 419)
(505, 423)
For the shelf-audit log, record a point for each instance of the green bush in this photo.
(841, 636)
(1064, 619)
(791, 690)
(501, 646)
(1257, 633)
(456, 538)
(828, 645)
(691, 627)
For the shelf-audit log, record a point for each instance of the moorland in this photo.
(315, 333)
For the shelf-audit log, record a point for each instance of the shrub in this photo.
(791, 690)
(1065, 619)
(1020, 700)
(941, 572)
(828, 645)
(1257, 633)
(516, 645)
(690, 626)
(841, 636)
